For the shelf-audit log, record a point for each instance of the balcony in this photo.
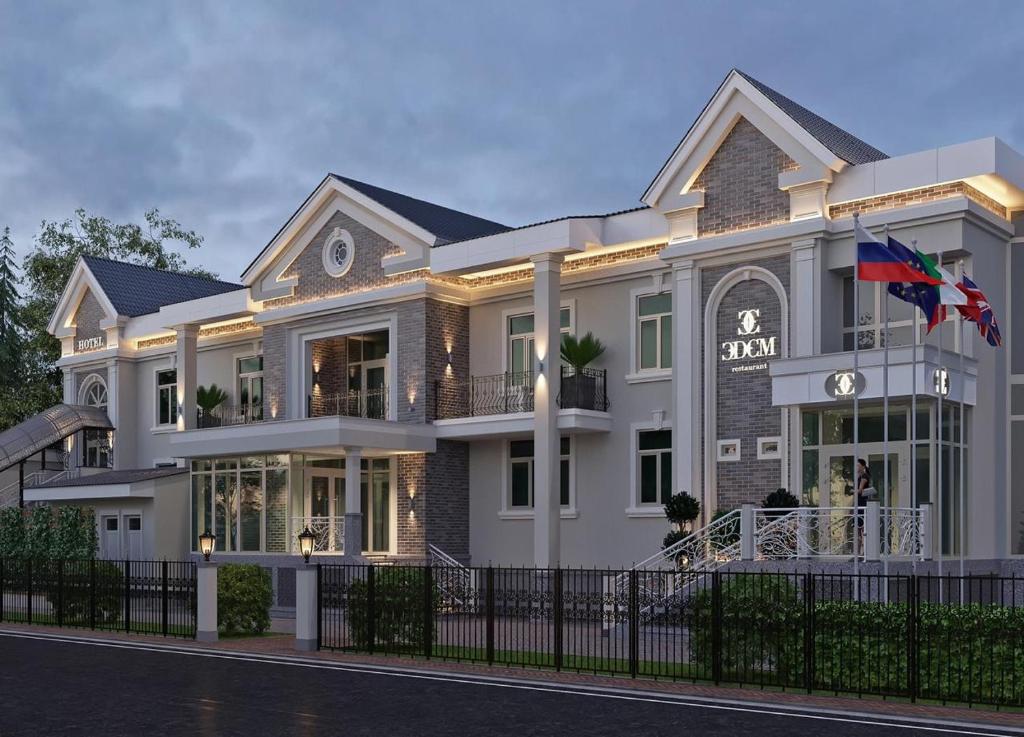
(371, 404)
(227, 415)
(501, 406)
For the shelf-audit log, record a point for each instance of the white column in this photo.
(547, 271)
(804, 302)
(805, 525)
(872, 527)
(686, 383)
(927, 531)
(206, 602)
(185, 365)
(305, 608)
(353, 502)
(748, 545)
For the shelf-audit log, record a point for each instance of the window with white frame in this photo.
(520, 340)
(96, 446)
(654, 467)
(871, 323)
(250, 387)
(654, 332)
(520, 474)
(166, 397)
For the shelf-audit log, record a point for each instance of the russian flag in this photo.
(877, 262)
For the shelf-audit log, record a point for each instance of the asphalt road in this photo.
(63, 688)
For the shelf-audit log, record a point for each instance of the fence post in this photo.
(927, 532)
(804, 518)
(912, 600)
(872, 538)
(558, 605)
(428, 611)
(28, 572)
(634, 624)
(164, 592)
(490, 615)
(716, 627)
(809, 632)
(206, 602)
(127, 596)
(747, 542)
(60, 593)
(307, 610)
(371, 613)
(92, 593)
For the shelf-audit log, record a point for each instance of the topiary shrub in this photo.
(397, 608)
(780, 499)
(244, 595)
(681, 509)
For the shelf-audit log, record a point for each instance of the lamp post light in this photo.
(306, 540)
(206, 541)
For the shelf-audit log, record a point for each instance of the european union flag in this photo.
(924, 296)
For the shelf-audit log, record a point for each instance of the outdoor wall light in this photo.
(306, 540)
(206, 541)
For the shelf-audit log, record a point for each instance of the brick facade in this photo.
(87, 322)
(741, 183)
(440, 502)
(743, 398)
(917, 197)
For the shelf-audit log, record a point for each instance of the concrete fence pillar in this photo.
(804, 529)
(927, 532)
(206, 602)
(872, 529)
(306, 608)
(748, 547)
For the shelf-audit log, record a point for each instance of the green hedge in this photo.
(244, 596)
(397, 609)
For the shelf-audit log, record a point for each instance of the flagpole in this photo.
(963, 445)
(913, 409)
(885, 433)
(856, 395)
(938, 444)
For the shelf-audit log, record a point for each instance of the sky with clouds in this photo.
(225, 115)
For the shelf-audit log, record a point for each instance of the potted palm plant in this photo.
(208, 399)
(579, 389)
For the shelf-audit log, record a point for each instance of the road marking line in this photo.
(900, 722)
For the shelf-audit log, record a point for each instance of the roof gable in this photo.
(817, 146)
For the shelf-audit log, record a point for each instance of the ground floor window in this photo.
(654, 466)
(521, 477)
(243, 501)
(914, 468)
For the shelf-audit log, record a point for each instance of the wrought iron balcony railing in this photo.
(226, 415)
(371, 404)
(512, 392)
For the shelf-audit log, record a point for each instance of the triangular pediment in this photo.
(82, 289)
(736, 100)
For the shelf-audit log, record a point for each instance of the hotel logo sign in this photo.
(752, 344)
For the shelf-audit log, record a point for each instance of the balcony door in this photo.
(324, 508)
(367, 374)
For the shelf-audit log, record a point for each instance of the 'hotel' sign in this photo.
(89, 344)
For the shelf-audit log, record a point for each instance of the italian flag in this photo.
(947, 291)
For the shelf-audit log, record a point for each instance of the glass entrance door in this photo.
(324, 508)
(837, 478)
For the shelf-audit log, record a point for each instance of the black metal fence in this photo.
(141, 596)
(370, 404)
(225, 415)
(916, 637)
(584, 388)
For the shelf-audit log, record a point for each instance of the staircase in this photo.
(9, 493)
(455, 582)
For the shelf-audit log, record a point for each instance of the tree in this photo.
(10, 306)
(47, 270)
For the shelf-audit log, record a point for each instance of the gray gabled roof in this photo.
(125, 476)
(140, 290)
(445, 223)
(40, 431)
(845, 145)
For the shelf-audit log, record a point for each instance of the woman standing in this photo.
(864, 493)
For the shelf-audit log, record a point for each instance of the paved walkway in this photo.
(281, 645)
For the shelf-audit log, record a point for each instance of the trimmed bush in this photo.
(77, 600)
(244, 595)
(682, 508)
(397, 608)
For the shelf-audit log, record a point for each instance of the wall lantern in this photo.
(306, 540)
(206, 541)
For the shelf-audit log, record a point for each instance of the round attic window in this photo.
(338, 252)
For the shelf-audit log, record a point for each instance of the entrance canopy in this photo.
(46, 428)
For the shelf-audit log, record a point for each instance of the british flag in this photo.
(979, 311)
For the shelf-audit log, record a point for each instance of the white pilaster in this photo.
(686, 382)
(804, 298)
(547, 271)
(353, 502)
(188, 338)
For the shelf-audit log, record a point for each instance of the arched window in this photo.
(96, 450)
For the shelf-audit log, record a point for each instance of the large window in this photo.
(654, 332)
(520, 339)
(96, 450)
(166, 397)
(250, 387)
(243, 501)
(872, 332)
(654, 465)
(521, 478)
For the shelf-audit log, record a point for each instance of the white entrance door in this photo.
(133, 536)
(110, 538)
